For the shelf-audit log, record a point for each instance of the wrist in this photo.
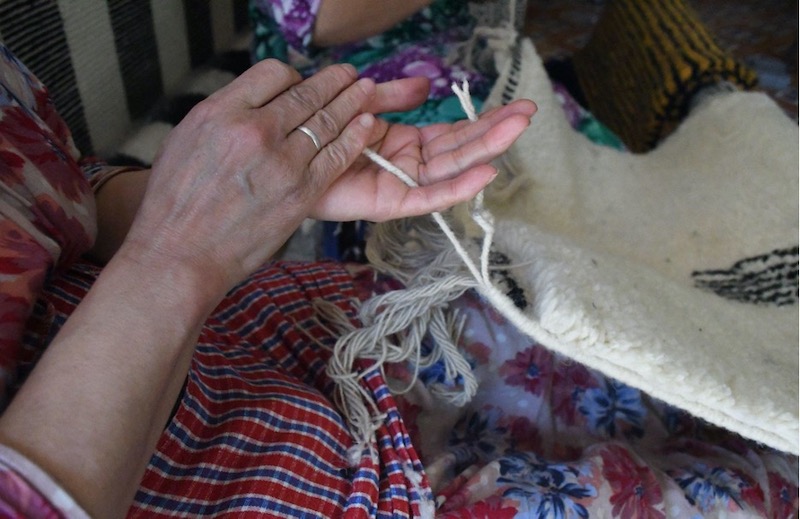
(180, 285)
(118, 196)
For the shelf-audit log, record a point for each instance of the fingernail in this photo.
(351, 68)
(366, 120)
(367, 85)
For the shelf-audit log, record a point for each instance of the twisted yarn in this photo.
(395, 323)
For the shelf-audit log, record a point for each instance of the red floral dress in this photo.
(47, 221)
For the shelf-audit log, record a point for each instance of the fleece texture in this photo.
(674, 271)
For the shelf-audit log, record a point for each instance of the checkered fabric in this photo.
(256, 432)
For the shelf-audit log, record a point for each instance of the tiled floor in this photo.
(761, 33)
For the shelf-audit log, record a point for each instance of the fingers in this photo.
(327, 123)
(445, 194)
(448, 153)
(303, 100)
(401, 201)
(258, 85)
(446, 137)
(399, 95)
(341, 152)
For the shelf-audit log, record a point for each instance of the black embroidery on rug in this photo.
(510, 88)
(768, 279)
(506, 282)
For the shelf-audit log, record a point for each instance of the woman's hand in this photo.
(229, 186)
(448, 161)
(235, 178)
(119, 199)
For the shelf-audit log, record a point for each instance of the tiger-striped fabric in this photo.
(645, 61)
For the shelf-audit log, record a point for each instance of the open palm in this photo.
(449, 162)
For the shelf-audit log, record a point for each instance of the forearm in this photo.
(91, 412)
(345, 21)
(117, 202)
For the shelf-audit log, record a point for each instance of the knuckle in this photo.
(327, 122)
(240, 133)
(461, 159)
(249, 136)
(244, 131)
(278, 69)
(337, 157)
(345, 70)
(273, 63)
(298, 194)
(305, 96)
(204, 110)
(339, 73)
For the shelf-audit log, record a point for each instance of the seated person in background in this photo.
(96, 361)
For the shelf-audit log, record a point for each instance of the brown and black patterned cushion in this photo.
(645, 61)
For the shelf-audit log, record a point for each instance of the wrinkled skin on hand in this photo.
(234, 179)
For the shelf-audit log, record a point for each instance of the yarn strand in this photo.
(394, 323)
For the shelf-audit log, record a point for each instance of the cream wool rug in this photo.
(673, 271)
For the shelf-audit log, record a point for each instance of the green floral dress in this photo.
(422, 45)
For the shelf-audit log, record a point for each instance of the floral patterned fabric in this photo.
(418, 46)
(546, 437)
(423, 45)
(47, 213)
(46, 204)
